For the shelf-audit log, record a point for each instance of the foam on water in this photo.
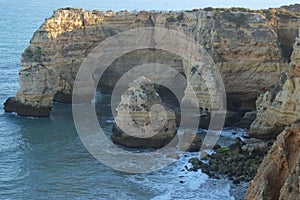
(175, 182)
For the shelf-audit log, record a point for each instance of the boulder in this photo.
(246, 120)
(236, 147)
(255, 147)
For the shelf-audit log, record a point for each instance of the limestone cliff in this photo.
(278, 175)
(243, 45)
(287, 31)
(280, 105)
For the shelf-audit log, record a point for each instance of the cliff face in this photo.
(244, 47)
(279, 106)
(278, 175)
(287, 31)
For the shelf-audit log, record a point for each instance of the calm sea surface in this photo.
(45, 159)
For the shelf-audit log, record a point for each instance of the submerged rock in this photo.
(173, 156)
(142, 121)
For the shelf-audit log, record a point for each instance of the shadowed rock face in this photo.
(287, 31)
(279, 106)
(244, 47)
(278, 175)
(11, 105)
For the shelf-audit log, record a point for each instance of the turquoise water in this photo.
(45, 159)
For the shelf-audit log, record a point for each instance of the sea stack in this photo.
(142, 120)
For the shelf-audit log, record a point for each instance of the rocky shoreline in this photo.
(258, 58)
(238, 162)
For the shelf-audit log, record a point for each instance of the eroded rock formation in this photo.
(287, 31)
(243, 45)
(142, 121)
(278, 175)
(280, 105)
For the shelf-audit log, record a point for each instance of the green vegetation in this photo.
(222, 150)
(271, 13)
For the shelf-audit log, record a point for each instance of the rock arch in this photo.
(61, 44)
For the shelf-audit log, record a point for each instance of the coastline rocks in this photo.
(243, 46)
(279, 106)
(237, 167)
(256, 147)
(237, 146)
(239, 161)
(142, 121)
(38, 85)
(278, 175)
(190, 142)
(246, 120)
(13, 105)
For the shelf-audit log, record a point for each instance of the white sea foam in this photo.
(175, 182)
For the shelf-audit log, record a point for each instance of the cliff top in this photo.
(291, 11)
(292, 7)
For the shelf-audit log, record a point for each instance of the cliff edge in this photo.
(243, 45)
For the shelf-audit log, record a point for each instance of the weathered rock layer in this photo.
(278, 175)
(280, 105)
(243, 45)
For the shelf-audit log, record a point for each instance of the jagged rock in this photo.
(255, 147)
(237, 165)
(236, 147)
(278, 175)
(246, 120)
(13, 105)
(190, 142)
(243, 46)
(279, 106)
(141, 121)
(38, 85)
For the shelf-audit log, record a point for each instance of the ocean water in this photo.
(43, 158)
